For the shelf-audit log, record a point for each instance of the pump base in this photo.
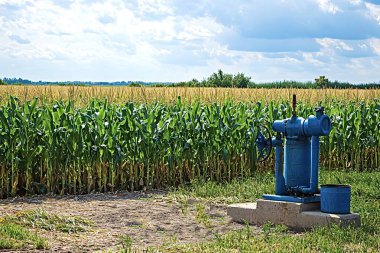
(311, 199)
(294, 215)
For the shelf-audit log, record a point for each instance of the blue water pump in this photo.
(296, 167)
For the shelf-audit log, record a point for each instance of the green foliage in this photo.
(61, 148)
(135, 84)
(202, 216)
(107, 146)
(158, 85)
(18, 81)
(240, 81)
(219, 79)
(322, 82)
(126, 243)
(2, 82)
(15, 233)
(192, 83)
(13, 236)
(39, 218)
(237, 190)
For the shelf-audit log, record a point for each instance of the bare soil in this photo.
(150, 219)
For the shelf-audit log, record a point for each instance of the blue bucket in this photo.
(335, 198)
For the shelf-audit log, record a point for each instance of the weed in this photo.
(126, 241)
(13, 236)
(39, 218)
(202, 216)
(183, 202)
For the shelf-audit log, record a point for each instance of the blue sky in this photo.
(176, 40)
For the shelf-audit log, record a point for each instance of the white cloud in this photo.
(375, 44)
(334, 44)
(374, 11)
(310, 58)
(355, 2)
(328, 6)
(194, 28)
(160, 7)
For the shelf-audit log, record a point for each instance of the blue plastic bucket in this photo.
(335, 198)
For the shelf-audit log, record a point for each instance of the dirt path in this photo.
(149, 219)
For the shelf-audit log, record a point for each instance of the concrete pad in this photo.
(243, 212)
(317, 218)
(295, 215)
(280, 212)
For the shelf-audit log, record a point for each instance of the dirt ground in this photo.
(150, 219)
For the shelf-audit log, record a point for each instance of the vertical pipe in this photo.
(280, 180)
(314, 164)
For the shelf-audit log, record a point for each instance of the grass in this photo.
(41, 219)
(237, 190)
(13, 236)
(183, 202)
(16, 230)
(365, 199)
(126, 243)
(278, 239)
(202, 217)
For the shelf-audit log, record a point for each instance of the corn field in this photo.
(83, 94)
(69, 147)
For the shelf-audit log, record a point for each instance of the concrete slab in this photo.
(295, 215)
(243, 212)
(317, 218)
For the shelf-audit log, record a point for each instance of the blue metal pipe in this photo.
(314, 163)
(313, 188)
(280, 180)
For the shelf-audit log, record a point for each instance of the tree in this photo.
(134, 84)
(241, 81)
(2, 82)
(194, 83)
(322, 82)
(219, 79)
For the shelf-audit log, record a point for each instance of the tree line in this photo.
(216, 79)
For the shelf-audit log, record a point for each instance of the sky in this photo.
(177, 40)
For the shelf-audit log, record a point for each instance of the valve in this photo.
(264, 144)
